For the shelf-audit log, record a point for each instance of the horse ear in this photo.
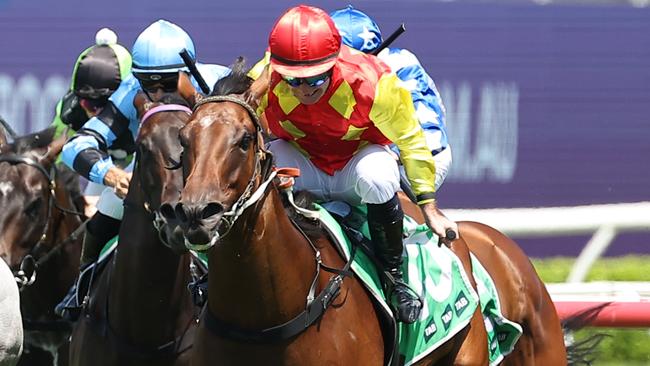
(187, 91)
(55, 147)
(140, 103)
(3, 144)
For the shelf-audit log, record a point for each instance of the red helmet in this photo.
(304, 42)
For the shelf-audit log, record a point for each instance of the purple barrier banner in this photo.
(546, 105)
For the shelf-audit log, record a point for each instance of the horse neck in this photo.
(57, 274)
(148, 279)
(261, 271)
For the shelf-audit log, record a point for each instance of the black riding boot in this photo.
(385, 223)
(99, 230)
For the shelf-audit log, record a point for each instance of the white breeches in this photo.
(371, 176)
(109, 203)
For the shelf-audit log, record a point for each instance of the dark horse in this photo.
(40, 238)
(264, 268)
(140, 311)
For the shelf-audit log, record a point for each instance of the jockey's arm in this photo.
(394, 115)
(87, 151)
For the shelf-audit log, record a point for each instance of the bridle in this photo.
(29, 263)
(250, 195)
(158, 221)
(316, 303)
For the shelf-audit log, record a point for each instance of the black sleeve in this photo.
(118, 125)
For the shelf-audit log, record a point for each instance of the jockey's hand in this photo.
(186, 89)
(119, 180)
(438, 222)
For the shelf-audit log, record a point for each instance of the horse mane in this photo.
(237, 82)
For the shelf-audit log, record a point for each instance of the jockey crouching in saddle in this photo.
(335, 110)
(97, 73)
(157, 68)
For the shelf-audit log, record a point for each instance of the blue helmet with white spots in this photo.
(357, 29)
(157, 48)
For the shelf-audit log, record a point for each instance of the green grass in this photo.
(624, 346)
(628, 268)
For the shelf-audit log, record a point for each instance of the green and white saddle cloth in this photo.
(437, 275)
(502, 333)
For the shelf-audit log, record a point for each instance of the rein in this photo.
(28, 263)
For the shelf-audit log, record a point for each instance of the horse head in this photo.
(223, 162)
(28, 197)
(158, 170)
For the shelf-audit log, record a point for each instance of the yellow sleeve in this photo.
(256, 71)
(394, 115)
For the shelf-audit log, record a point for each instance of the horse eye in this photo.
(245, 142)
(34, 207)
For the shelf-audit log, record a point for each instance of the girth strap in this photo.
(280, 332)
(314, 310)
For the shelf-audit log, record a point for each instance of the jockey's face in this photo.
(309, 90)
(157, 85)
(91, 109)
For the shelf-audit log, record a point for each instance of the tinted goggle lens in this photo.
(312, 81)
(152, 82)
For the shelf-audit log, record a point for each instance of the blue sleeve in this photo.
(211, 74)
(426, 98)
(87, 151)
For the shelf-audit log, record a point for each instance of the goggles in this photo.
(312, 81)
(168, 82)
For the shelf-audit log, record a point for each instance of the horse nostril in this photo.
(211, 209)
(167, 211)
(180, 212)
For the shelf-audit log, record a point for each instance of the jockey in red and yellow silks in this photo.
(335, 110)
(363, 104)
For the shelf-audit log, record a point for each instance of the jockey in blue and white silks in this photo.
(157, 67)
(117, 126)
(359, 31)
(155, 56)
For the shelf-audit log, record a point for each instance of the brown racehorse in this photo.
(40, 239)
(263, 267)
(522, 294)
(140, 311)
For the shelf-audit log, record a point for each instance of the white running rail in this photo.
(604, 221)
